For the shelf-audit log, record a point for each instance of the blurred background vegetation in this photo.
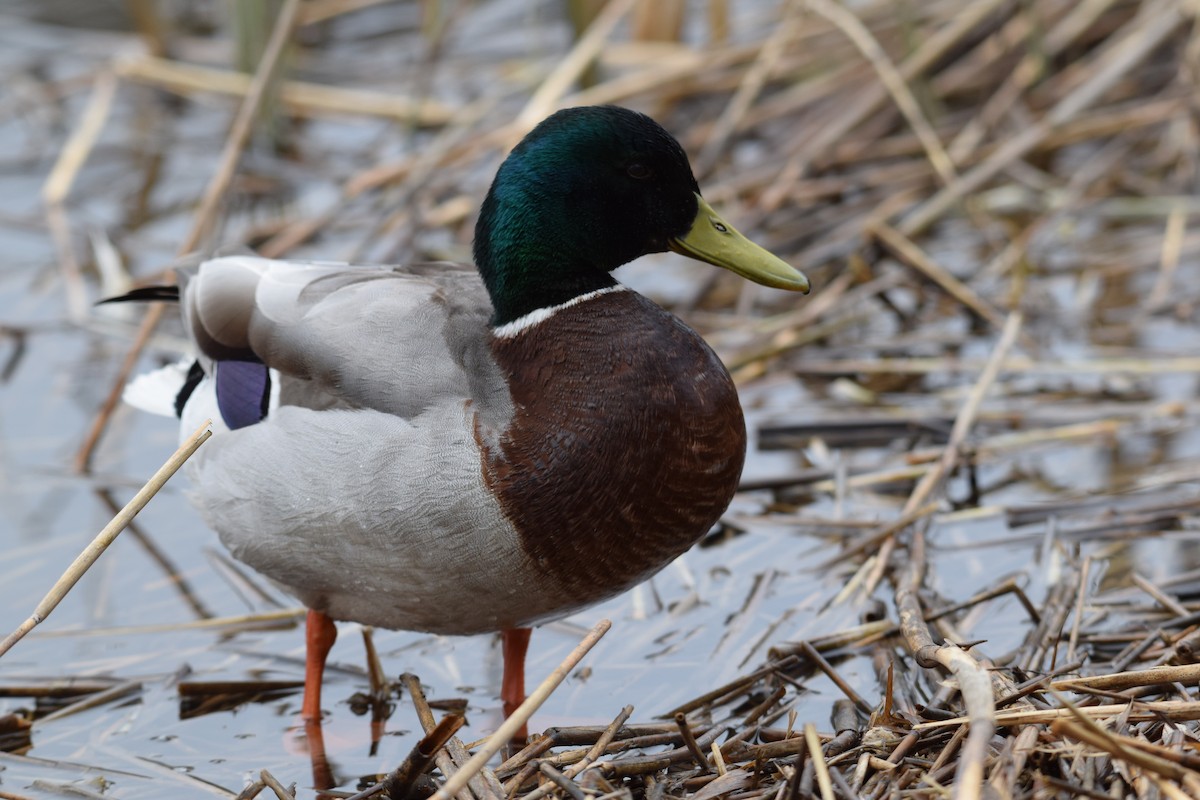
(988, 404)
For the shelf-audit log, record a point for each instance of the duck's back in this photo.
(390, 339)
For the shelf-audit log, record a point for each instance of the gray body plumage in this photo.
(362, 492)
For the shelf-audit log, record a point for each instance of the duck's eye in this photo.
(639, 171)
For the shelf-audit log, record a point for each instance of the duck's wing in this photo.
(361, 487)
(396, 340)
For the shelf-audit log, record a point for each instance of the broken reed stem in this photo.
(1162, 598)
(1168, 261)
(419, 759)
(453, 754)
(68, 263)
(886, 532)
(557, 779)
(93, 700)
(1019, 365)
(521, 716)
(281, 791)
(84, 560)
(568, 775)
(83, 458)
(819, 661)
(601, 744)
(689, 741)
(278, 619)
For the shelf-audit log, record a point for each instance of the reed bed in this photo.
(996, 203)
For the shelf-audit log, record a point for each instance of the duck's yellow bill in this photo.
(715, 241)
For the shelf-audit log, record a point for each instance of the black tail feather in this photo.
(146, 294)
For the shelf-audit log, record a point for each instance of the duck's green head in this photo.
(590, 189)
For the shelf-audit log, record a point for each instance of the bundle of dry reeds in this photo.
(945, 171)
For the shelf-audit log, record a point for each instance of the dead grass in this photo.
(925, 163)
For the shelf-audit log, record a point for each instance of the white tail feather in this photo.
(155, 392)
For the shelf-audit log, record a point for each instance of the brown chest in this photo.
(626, 444)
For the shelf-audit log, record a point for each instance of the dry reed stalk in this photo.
(1084, 728)
(1019, 365)
(753, 365)
(1172, 247)
(817, 759)
(521, 715)
(252, 790)
(718, 21)
(300, 98)
(243, 123)
(314, 11)
(169, 568)
(547, 96)
(910, 253)
(83, 139)
(266, 620)
(689, 741)
(601, 745)
(868, 100)
(1073, 641)
(93, 700)
(1118, 681)
(1139, 711)
(271, 782)
(893, 81)
(1023, 440)
(401, 780)
(749, 89)
(106, 537)
(450, 758)
(1157, 21)
(58, 183)
(658, 20)
(842, 167)
(72, 273)
(973, 681)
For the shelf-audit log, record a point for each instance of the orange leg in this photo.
(515, 643)
(320, 634)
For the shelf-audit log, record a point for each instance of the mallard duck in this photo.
(468, 450)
